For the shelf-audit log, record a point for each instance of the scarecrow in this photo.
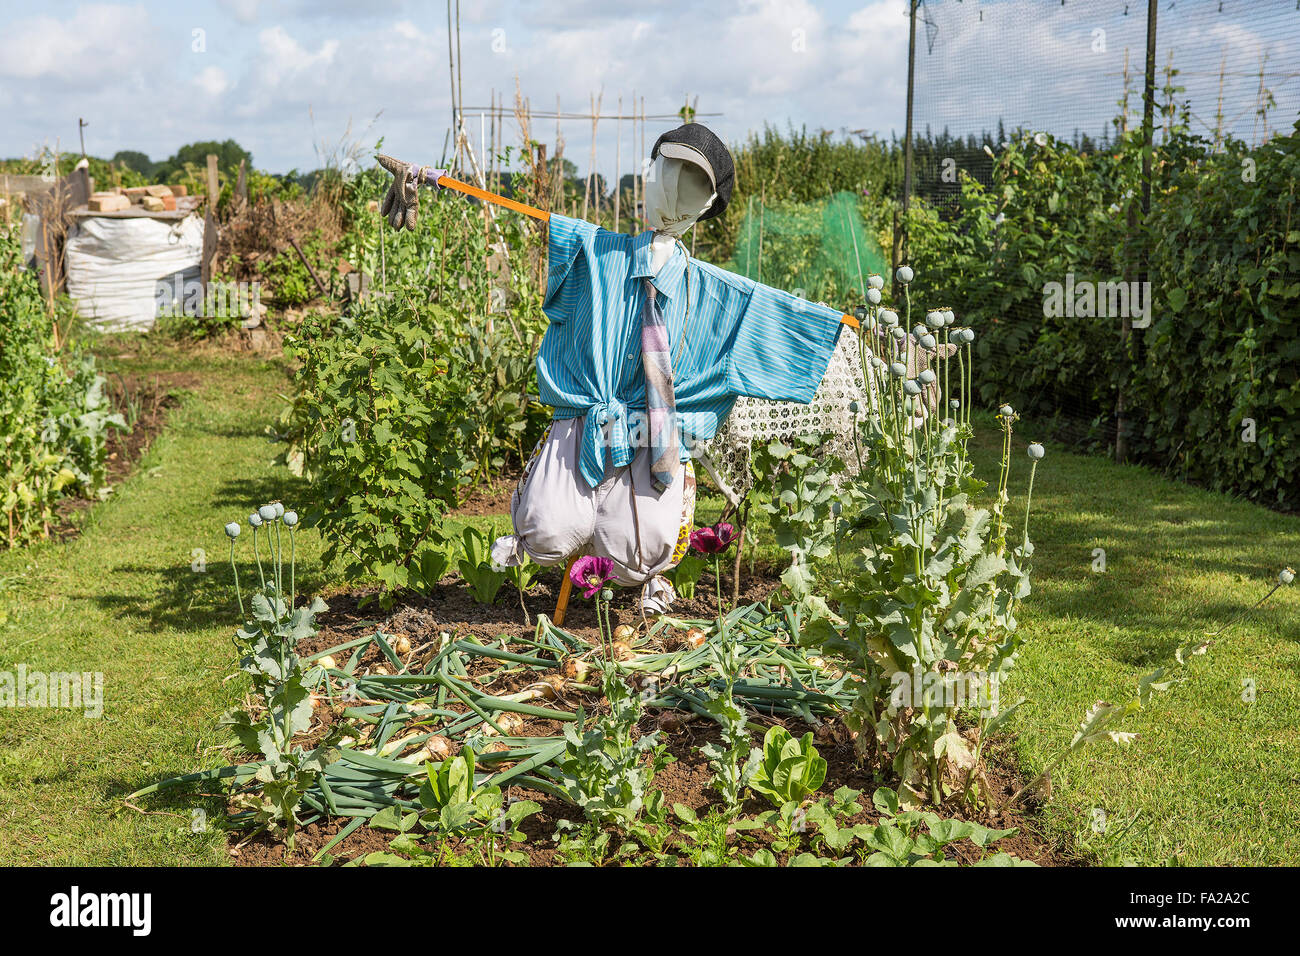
(646, 352)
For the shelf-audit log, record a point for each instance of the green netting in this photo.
(820, 250)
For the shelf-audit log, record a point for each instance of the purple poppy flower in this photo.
(591, 574)
(713, 540)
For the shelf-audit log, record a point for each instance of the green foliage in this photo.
(603, 770)
(475, 566)
(1223, 253)
(686, 575)
(380, 421)
(794, 488)
(799, 167)
(900, 840)
(54, 414)
(788, 769)
(454, 807)
(732, 761)
(228, 153)
(267, 643)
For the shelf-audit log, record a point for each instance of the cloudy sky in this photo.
(287, 78)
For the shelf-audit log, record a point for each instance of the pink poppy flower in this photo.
(591, 574)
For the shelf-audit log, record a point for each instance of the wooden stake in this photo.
(566, 587)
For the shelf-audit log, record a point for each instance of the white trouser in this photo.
(557, 515)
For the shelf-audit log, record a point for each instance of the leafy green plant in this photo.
(266, 643)
(732, 761)
(54, 414)
(787, 770)
(794, 487)
(476, 566)
(605, 770)
(380, 425)
(924, 611)
(686, 575)
(919, 837)
(454, 807)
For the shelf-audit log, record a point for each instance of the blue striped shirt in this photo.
(738, 337)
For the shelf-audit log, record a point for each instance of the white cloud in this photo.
(244, 11)
(97, 44)
(212, 80)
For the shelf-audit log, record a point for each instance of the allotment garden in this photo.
(954, 631)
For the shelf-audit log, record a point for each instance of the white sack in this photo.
(114, 265)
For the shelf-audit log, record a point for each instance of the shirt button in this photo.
(631, 357)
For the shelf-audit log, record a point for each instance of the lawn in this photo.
(1209, 780)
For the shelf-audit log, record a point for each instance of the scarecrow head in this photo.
(690, 179)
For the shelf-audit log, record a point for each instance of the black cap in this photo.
(698, 144)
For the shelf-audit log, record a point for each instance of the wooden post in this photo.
(566, 587)
(210, 225)
(901, 247)
(618, 159)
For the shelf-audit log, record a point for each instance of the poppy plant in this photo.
(713, 540)
(591, 573)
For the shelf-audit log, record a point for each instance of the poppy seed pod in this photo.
(898, 370)
(934, 320)
(290, 518)
(954, 404)
(1285, 576)
(1036, 451)
(911, 387)
(1006, 411)
(904, 274)
(873, 296)
(898, 334)
(875, 282)
(926, 377)
(853, 407)
(279, 509)
(255, 520)
(232, 530)
(949, 317)
(266, 513)
(927, 341)
(888, 318)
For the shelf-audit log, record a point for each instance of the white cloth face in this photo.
(677, 193)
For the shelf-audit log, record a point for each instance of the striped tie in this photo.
(661, 406)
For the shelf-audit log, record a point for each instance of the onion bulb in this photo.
(439, 747)
(694, 637)
(671, 721)
(622, 651)
(402, 645)
(575, 669)
(624, 633)
(327, 663)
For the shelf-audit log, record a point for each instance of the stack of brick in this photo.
(153, 198)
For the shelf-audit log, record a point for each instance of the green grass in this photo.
(1210, 780)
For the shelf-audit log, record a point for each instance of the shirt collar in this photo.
(668, 281)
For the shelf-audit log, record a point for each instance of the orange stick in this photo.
(562, 601)
(486, 196)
